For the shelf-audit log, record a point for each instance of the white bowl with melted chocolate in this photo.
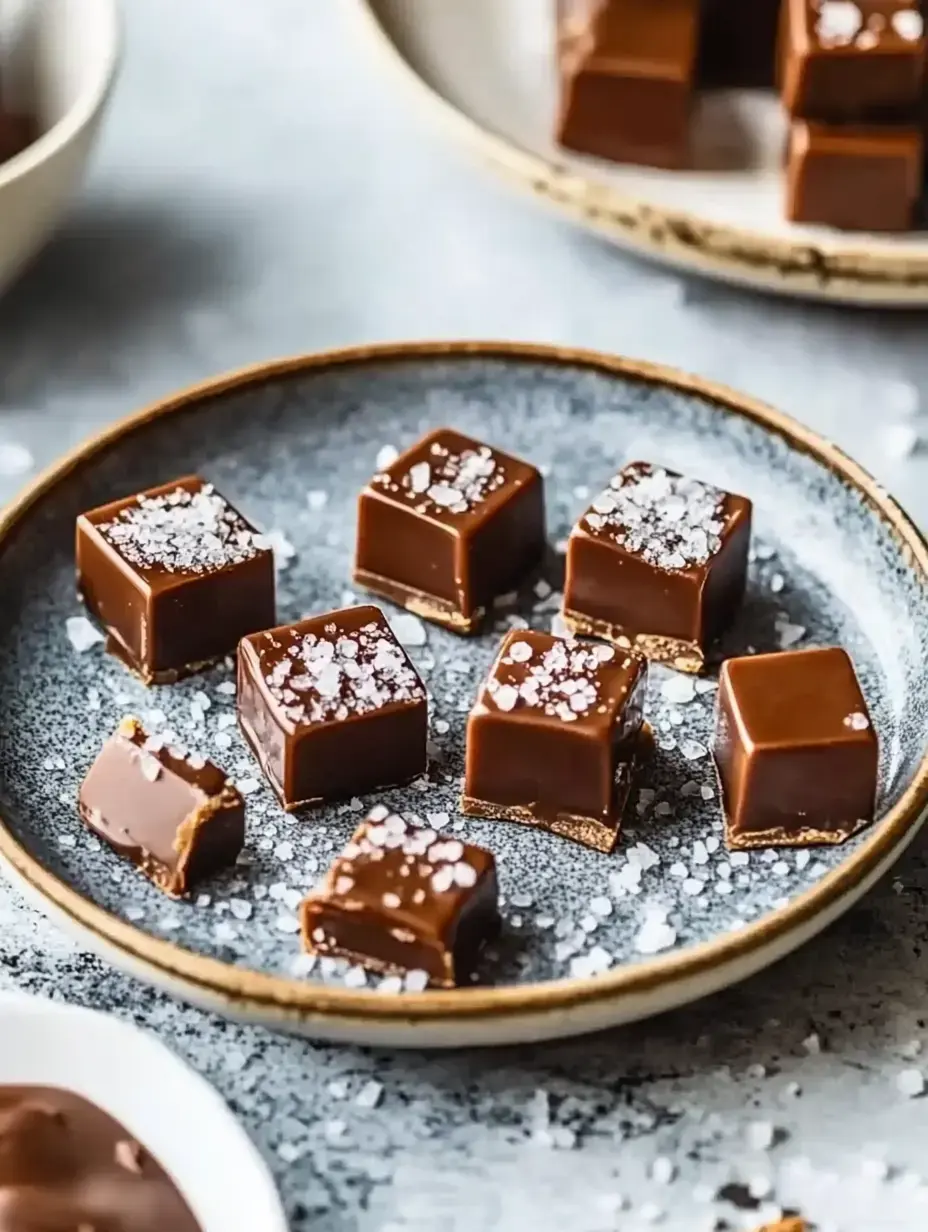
(101, 1126)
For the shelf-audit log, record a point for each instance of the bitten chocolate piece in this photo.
(67, 1165)
(555, 737)
(795, 749)
(172, 813)
(852, 61)
(859, 179)
(332, 707)
(659, 563)
(404, 900)
(176, 576)
(448, 526)
(626, 70)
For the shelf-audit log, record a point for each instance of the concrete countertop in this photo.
(262, 190)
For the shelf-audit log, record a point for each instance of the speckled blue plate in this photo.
(589, 940)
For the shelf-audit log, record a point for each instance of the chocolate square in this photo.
(659, 563)
(795, 749)
(447, 527)
(404, 900)
(555, 736)
(859, 179)
(176, 576)
(171, 812)
(852, 61)
(626, 70)
(332, 707)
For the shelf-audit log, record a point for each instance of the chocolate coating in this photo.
(626, 72)
(176, 816)
(658, 562)
(67, 1166)
(555, 736)
(795, 748)
(860, 179)
(402, 898)
(176, 576)
(858, 62)
(448, 526)
(332, 707)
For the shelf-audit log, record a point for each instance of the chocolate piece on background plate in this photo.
(332, 707)
(176, 576)
(658, 563)
(626, 73)
(795, 749)
(402, 899)
(448, 526)
(857, 179)
(174, 814)
(852, 61)
(556, 735)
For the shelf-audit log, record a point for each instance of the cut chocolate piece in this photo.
(659, 563)
(859, 179)
(176, 576)
(174, 814)
(332, 707)
(448, 526)
(68, 1166)
(404, 900)
(555, 737)
(626, 70)
(796, 752)
(852, 61)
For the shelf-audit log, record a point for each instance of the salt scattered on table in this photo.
(911, 1083)
(407, 629)
(317, 499)
(82, 634)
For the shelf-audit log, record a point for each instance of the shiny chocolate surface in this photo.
(795, 747)
(448, 526)
(658, 561)
(332, 707)
(176, 576)
(859, 179)
(170, 811)
(67, 1166)
(405, 901)
(554, 736)
(852, 61)
(626, 71)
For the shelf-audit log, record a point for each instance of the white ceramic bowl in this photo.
(165, 1105)
(60, 59)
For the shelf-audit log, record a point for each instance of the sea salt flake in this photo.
(654, 935)
(287, 924)
(693, 750)
(601, 906)
(761, 1135)
(416, 981)
(663, 1170)
(856, 721)
(248, 786)
(813, 1044)
(911, 1083)
(355, 977)
(838, 22)
(908, 24)
(15, 459)
(386, 456)
(82, 634)
(678, 690)
(241, 909)
(317, 499)
(370, 1095)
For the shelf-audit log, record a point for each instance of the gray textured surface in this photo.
(261, 190)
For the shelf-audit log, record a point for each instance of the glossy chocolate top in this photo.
(452, 479)
(796, 697)
(672, 522)
(411, 875)
(537, 677)
(863, 25)
(184, 528)
(165, 784)
(67, 1166)
(626, 35)
(332, 668)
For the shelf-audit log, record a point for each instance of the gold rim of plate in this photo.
(254, 993)
(843, 270)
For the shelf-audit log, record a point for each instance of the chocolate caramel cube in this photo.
(176, 576)
(858, 179)
(795, 748)
(626, 70)
(658, 563)
(332, 707)
(447, 527)
(170, 811)
(555, 736)
(405, 901)
(852, 61)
